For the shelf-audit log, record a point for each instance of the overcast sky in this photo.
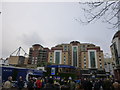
(49, 24)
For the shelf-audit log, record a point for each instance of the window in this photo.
(51, 60)
(32, 62)
(65, 48)
(57, 57)
(100, 65)
(35, 61)
(36, 57)
(64, 60)
(84, 65)
(74, 56)
(92, 59)
(84, 60)
(33, 58)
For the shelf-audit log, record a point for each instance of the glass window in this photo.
(50, 60)
(64, 61)
(74, 56)
(65, 48)
(57, 57)
(32, 62)
(35, 62)
(92, 59)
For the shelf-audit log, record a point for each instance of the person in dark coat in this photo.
(84, 83)
(57, 85)
(107, 85)
(97, 85)
(89, 85)
(49, 85)
(20, 83)
(65, 85)
(72, 85)
(30, 84)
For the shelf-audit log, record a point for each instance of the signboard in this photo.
(52, 71)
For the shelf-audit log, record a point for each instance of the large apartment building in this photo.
(92, 57)
(58, 56)
(38, 54)
(87, 57)
(77, 54)
(115, 50)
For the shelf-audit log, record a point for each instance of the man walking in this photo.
(8, 84)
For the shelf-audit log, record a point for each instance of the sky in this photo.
(48, 24)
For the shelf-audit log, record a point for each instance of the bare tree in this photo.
(108, 11)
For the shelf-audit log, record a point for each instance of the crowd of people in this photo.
(42, 83)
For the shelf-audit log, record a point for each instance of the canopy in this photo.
(60, 66)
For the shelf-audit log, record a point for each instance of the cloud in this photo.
(30, 39)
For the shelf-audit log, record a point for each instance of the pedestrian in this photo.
(34, 81)
(57, 85)
(116, 85)
(89, 85)
(8, 84)
(72, 85)
(20, 83)
(30, 84)
(49, 85)
(107, 84)
(38, 83)
(97, 85)
(85, 84)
